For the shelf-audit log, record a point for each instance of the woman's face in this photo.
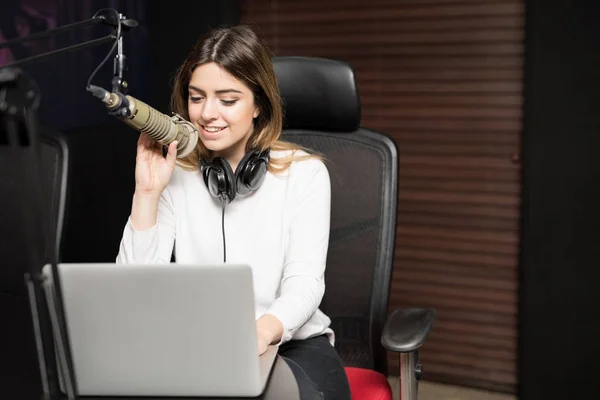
(223, 110)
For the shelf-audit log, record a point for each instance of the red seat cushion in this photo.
(366, 384)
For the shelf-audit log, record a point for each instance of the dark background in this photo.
(561, 170)
(559, 298)
(102, 149)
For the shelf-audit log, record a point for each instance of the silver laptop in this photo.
(162, 330)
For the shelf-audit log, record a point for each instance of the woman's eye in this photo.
(195, 99)
(228, 102)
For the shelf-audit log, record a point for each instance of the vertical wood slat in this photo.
(443, 79)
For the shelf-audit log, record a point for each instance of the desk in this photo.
(281, 385)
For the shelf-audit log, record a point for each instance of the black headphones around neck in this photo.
(249, 175)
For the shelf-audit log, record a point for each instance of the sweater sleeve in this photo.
(153, 245)
(303, 284)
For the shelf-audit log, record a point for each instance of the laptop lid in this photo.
(162, 330)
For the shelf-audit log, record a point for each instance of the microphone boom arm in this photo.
(117, 23)
(51, 32)
(80, 46)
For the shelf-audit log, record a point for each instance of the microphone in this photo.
(142, 117)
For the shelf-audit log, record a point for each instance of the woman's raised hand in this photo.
(152, 170)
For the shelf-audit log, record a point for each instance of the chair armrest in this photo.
(406, 329)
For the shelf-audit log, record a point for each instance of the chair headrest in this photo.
(318, 94)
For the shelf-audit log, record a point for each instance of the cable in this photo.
(112, 49)
(223, 201)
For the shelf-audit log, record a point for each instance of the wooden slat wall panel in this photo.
(443, 78)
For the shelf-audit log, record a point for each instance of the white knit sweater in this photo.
(281, 231)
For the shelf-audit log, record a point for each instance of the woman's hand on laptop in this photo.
(268, 331)
(263, 342)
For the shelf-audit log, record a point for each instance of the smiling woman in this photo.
(228, 89)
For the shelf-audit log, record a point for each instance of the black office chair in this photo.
(22, 247)
(322, 112)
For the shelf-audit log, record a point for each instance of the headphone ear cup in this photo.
(224, 181)
(251, 171)
(219, 178)
(205, 170)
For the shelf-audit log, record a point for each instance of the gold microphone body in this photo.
(158, 126)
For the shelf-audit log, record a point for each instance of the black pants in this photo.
(317, 367)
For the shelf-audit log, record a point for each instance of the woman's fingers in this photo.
(172, 154)
(141, 143)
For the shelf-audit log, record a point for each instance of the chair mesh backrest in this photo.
(18, 213)
(362, 168)
(322, 112)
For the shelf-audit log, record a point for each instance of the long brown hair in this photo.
(240, 52)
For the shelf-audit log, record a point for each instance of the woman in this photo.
(244, 196)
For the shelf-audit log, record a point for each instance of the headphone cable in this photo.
(223, 201)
